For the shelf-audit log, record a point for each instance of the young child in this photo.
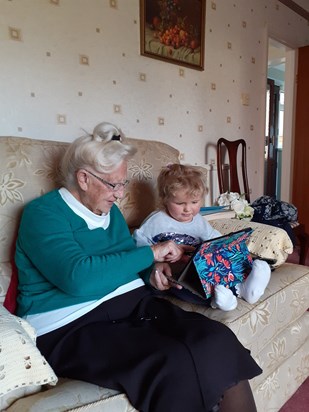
(181, 190)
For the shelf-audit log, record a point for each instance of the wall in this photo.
(66, 65)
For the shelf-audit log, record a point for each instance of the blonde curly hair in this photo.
(176, 176)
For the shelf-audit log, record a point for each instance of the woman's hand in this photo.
(167, 251)
(160, 277)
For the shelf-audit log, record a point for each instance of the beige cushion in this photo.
(266, 241)
(74, 395)
(23, 369)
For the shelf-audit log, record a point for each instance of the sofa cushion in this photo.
(276, 388)
(23, 369)
(285, 300)
(74, 395)
(282, 347)
(268, 242)
(28, 168)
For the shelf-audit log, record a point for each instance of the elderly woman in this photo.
(89, 293)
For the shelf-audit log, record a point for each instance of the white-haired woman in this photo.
(84, 286)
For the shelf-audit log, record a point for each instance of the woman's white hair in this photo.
(104, 151)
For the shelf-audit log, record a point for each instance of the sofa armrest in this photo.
(268, 242)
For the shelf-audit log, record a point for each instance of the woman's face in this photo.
(99, 196)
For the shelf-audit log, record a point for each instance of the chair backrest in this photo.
(228, 176)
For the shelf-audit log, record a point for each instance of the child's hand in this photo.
(161, 277)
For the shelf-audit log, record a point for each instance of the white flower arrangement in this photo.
(238, 203)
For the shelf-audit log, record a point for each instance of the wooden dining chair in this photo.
(232, 158)
(228, 176)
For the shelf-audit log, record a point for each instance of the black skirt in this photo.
(164, 358)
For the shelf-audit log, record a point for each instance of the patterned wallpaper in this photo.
(67, 65)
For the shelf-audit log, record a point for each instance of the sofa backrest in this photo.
(28, 169)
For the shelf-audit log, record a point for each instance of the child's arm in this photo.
(208, 231)
(141, 238)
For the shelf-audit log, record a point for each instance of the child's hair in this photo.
(176, 176)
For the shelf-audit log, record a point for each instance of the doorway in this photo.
(272, 166)
(274, 119)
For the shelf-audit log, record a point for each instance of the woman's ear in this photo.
(82, 179)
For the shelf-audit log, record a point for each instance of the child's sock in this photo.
(254, 286)
(223, 299)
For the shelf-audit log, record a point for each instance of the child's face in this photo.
(183, 206)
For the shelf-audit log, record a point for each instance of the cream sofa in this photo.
(276, 329)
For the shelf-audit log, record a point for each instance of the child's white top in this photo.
(159, 225)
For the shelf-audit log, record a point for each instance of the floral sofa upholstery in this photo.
(275, 329)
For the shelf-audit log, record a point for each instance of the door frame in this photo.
(289, 125)
(271, 141)
(289, 118)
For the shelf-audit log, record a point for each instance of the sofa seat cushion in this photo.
(285, 300)
(267, 242)
(271, 394)
(282, 348)
(70, 395)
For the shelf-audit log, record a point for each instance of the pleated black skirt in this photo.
(164, 358)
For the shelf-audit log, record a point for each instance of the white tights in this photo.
(250, 290)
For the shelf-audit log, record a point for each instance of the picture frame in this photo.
(173, 31)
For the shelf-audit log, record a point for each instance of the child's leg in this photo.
(223, 299)
(254, 286)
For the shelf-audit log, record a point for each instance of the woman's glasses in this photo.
(115, 187)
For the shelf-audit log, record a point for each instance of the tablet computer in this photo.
(224, 260)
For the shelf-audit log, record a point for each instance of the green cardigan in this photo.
(61, 262)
